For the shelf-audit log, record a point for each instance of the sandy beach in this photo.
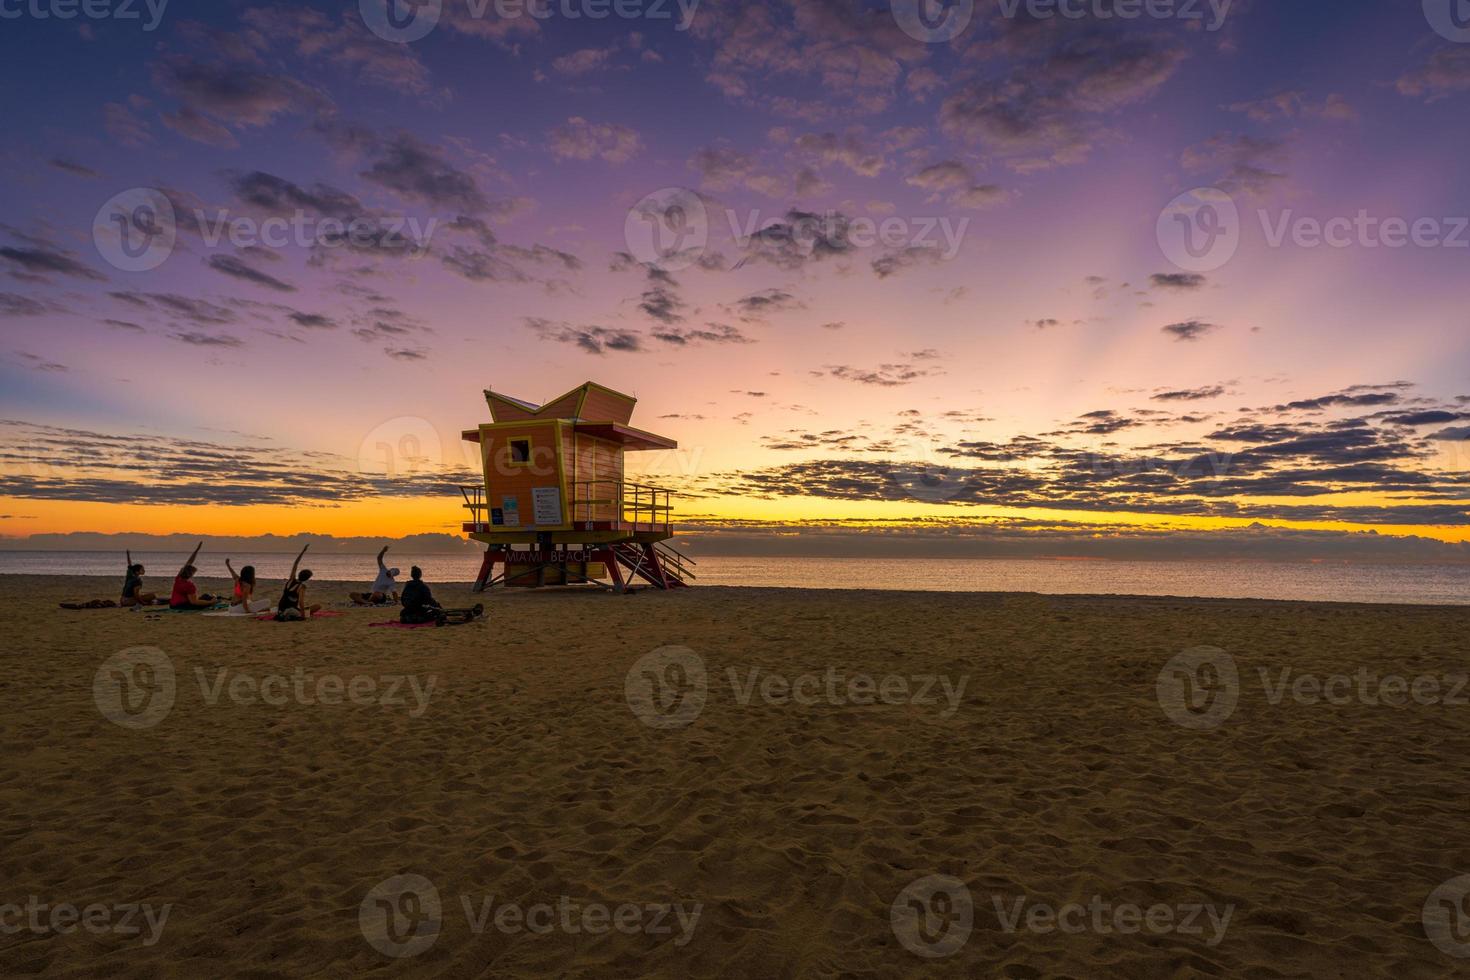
(817, 759)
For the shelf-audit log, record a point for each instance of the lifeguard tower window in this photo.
(520, 450)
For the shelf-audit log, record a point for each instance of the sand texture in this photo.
(537, 771)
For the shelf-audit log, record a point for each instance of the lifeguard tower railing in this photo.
(628, 506)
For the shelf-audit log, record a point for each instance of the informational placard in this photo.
(497, 516)
(546, 504)
(511, 508)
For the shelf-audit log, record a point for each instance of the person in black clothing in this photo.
(418, 602)
(292, 605)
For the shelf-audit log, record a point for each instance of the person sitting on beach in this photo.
(244, 589)
(418, 602)
(186, 594)
(293, 599)
(133, 594)
(385, 586)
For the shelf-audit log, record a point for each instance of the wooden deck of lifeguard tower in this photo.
(554, 508)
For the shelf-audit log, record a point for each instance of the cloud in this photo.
(908, 257)
(37, 363)
(48, 260)
(585, 60)
(232, 266)
(1047, 110)
(150, 469)
(196, 311)
(279, 196)
(1183, 281)
(757, 306)
(198, 339)
(13, 304)
(581, 140)
(314, 321)
(420, 172)
(344, 42)
(714, 333)
(883, 376)
(1190, 330)
(1296, 105)
(1189, 394)
(953, 179)
(1446, 72)
(846, 150)
(1238, 163)
(856, 54)
(592, 339)
(124, 126)
(74, 168)
(231, 95)
(724, 167)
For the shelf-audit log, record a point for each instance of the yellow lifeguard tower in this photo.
(554, 508)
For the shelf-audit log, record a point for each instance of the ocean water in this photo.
(1316, 581)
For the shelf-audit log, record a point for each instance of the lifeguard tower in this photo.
(554, 508)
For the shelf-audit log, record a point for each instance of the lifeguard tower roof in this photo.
(592, 408)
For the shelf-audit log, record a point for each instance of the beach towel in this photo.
(270, 617)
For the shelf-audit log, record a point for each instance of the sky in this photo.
(1152, 277)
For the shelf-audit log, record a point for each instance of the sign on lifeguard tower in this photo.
(554, 508)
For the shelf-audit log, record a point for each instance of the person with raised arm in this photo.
(186, 594)
(132, 593)
(293, 599)
(385, 586)
(244, 590)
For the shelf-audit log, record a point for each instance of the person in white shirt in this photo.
(385, 587)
